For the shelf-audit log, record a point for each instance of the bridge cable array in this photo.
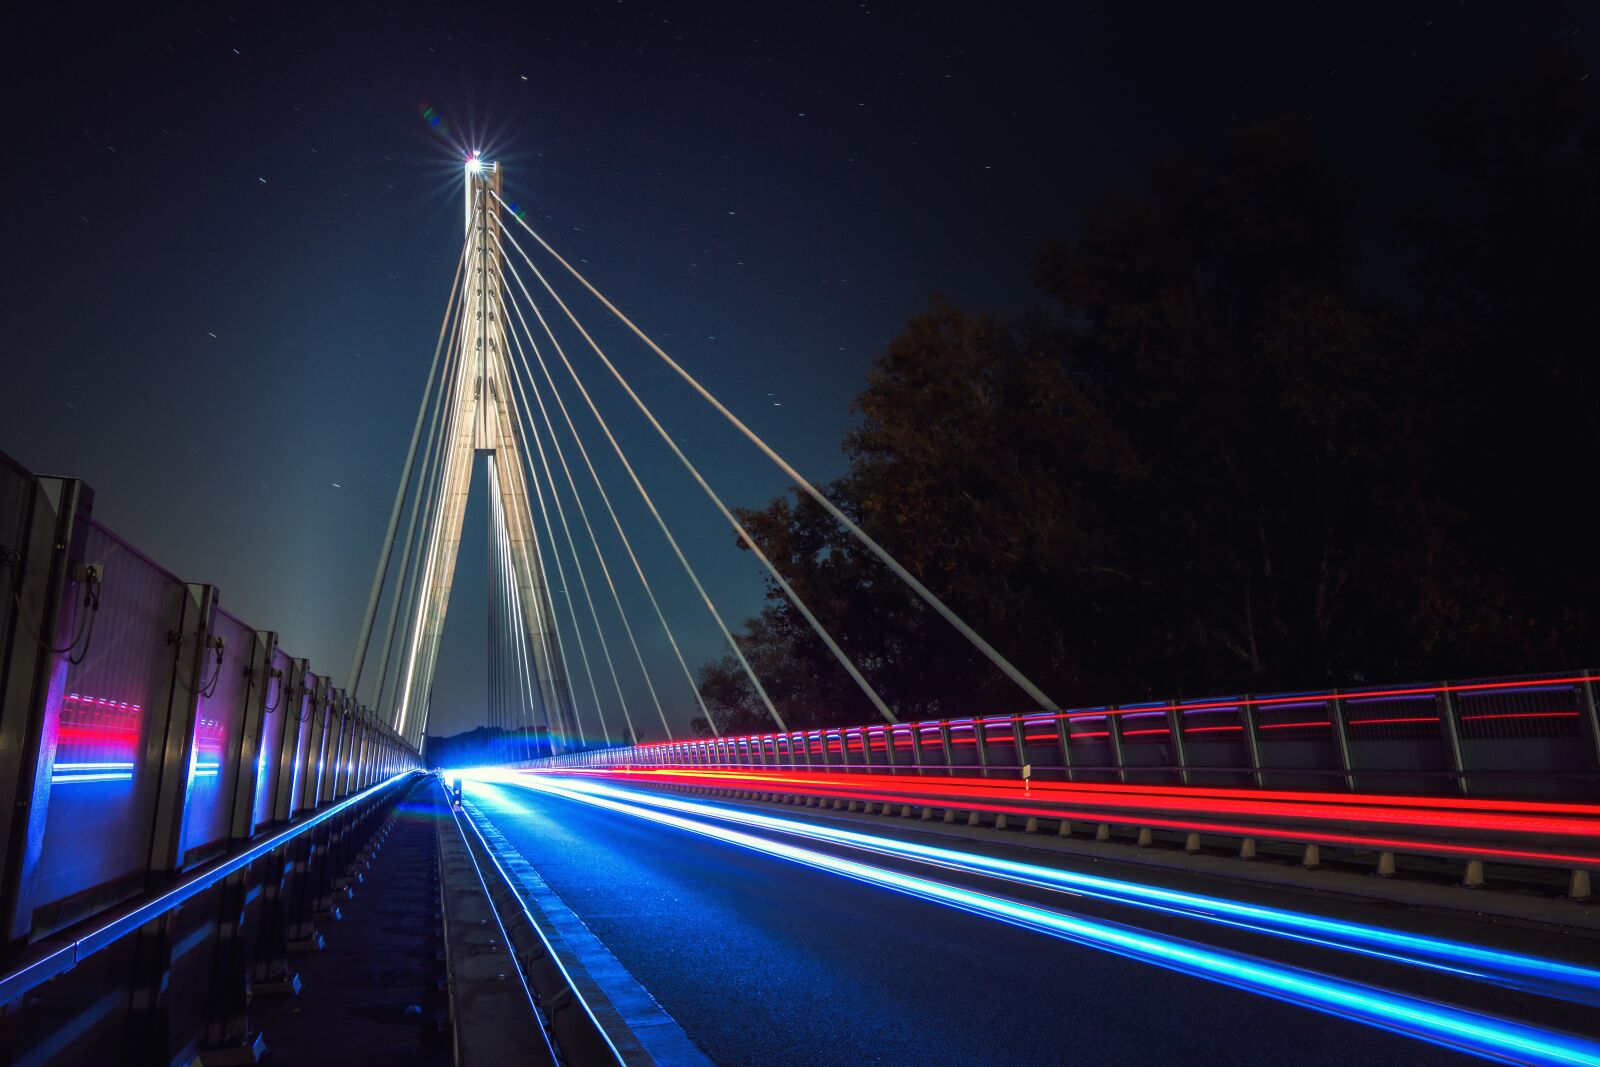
(487, 398)
(805, 484)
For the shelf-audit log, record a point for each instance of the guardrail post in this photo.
(1452, 738)
(949, 754)
(32, 678)
(1249, 719)
(1341, 738)
(1180, 750)
(1591, 718)
(1020, 740)
(1114, 738)
(980, 742)
(1063, 738)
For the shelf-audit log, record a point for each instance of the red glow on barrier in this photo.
(97, 732)
(1304, 700)
(1522, 715)
(1379, 722)
(1292, 725)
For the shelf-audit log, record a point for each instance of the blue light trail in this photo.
(1510, 969)
(1440, 1024)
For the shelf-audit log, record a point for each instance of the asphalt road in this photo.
(763, 961)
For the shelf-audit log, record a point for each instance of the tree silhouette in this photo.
(1219, 463)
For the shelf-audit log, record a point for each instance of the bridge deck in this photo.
(763, 961)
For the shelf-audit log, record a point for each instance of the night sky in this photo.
(232, 234)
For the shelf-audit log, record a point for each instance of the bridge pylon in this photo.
(483, 421)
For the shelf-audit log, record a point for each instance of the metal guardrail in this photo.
(1497, 771)
(158, 758)
(1530, 737)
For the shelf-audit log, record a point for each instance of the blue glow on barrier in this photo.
(1435, 1023)
(125, 920)
(1531, 973)
(76, 773)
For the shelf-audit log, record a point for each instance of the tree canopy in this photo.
(1221, 458)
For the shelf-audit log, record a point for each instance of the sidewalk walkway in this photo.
(374, 995)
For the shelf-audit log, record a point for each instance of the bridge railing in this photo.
(1528, 737)
(1502, 771)
(184, 798)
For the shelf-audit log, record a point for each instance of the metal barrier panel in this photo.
(1146, 735)
(360, 751)
(999, 752)
(35, 537)
(1521, 737)
(1092, 745)
(1041, 746)
(327, 746)
(213, 762)
(18, 493)
(1215, 734)
(903, 747)
(963, 747)
(1300, 733)
(879, 758)
(930, 747)
(306, 736)
(344, 758)
(106, 729)
(1397, 741)
(277, 712)
(333, 748)
(136, 753)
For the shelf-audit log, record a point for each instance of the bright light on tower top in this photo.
(474, 164)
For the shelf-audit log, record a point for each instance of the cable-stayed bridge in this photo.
(218, 853)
